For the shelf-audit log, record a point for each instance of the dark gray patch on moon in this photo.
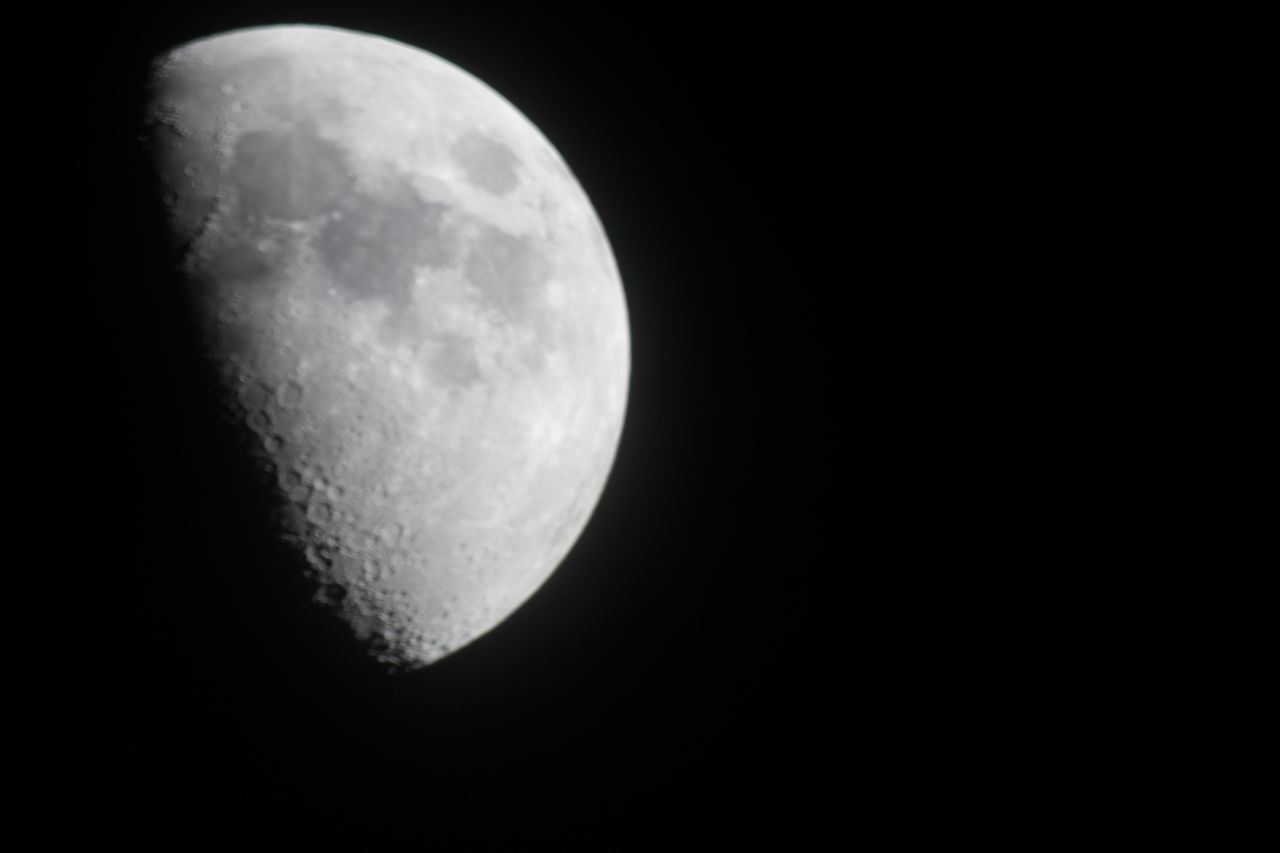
(290, 217)
(487, 163)
(506, 272)
(453, 358)
(292, 175)
(372, 243)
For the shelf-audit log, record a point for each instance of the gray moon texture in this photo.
(413, 310)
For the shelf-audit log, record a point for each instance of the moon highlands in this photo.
(413, 311)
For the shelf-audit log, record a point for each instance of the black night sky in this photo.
(835, 591)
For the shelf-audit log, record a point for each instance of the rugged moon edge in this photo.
(413, 307)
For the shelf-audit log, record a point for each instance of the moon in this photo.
(413, 312)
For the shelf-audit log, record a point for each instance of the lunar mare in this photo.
(413, 309)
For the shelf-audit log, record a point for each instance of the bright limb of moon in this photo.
(413, 309)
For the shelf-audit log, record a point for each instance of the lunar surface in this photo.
(413, 309)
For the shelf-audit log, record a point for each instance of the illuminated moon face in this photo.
(415, 310)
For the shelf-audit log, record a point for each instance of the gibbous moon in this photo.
(413, 309)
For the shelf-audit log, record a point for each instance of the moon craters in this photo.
(413, 315)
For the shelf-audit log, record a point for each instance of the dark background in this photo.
(836, 590)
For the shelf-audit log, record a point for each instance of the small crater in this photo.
(289, 394)
(391, 534)
(362, 540)
(259, 421)
(291, 480)
(319, 512)
(333, 593)
(319, 554)
(254, 395)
